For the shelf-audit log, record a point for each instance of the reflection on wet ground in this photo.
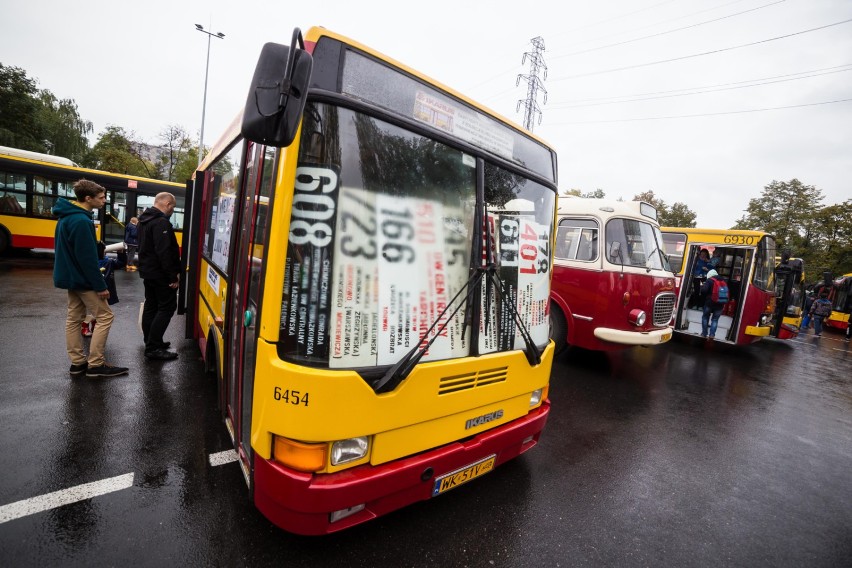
(689, 454)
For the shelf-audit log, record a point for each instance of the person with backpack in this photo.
(716, 295)
(820, 309)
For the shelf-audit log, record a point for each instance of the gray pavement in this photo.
(689, 454)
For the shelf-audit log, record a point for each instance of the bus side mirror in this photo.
(278, 93)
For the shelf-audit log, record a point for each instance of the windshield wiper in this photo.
(399, 371)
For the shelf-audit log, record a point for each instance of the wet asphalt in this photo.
(688, 454)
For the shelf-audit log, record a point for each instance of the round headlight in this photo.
(637, 317)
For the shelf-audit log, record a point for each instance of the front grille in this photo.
(664, 305)
(472, 380)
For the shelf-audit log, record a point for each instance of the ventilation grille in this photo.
(468, 381)
(664, 306)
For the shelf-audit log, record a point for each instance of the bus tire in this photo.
(212, 369)
(4, 239)
(558, 328)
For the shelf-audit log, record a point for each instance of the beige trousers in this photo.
(80, 303)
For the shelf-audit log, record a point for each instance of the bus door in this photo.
(244, 297)
(734, 265)
(790, 285)
(114, 217)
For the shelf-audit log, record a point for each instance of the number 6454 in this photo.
(292, 396)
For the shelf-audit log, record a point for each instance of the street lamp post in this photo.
(220, 35)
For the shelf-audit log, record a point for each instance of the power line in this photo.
(699, 54)
(668, 31)
(502, 73)
(654, 24)
(700, 115)
(702, 90)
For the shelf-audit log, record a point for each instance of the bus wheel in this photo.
(4, 240)
(558, 328)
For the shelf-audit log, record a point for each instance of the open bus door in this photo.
(790, 286)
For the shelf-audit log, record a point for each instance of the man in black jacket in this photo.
(159, 267)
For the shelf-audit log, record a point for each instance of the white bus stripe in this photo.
(41, 503)
(221, 458)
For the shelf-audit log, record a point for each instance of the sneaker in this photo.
(78, 370)
(161, 355)
(106, 371)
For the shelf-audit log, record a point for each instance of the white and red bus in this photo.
(612, 285)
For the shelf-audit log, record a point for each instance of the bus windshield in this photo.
(635, 243)
(383, 216)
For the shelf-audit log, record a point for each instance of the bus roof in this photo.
(36, 156)
(59, 164)
(593, 206)
(713, 235)
(312, 36)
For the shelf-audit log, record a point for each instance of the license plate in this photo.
(455, 478)
(665, 337)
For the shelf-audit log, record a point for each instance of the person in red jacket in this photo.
(159, 267)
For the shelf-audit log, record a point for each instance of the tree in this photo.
(19, 121)
(793, 213)
(678, 215)
(784, 209)
(179, 157)
(115, 151)
(596, 194)
(64, 130)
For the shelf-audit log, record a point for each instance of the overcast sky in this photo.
(694, 99)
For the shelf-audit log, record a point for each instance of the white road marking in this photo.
(62, 497)
(221, 458)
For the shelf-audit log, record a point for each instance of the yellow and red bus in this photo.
(30, 184)
(368, 272)
(613, 287)
(747, 261)
(841, 301)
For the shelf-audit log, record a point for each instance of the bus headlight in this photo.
(345, 451)
(535, 397)
(637, 317)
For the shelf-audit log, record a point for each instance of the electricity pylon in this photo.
(534, 83)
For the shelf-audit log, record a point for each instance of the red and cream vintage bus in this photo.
(612, 285)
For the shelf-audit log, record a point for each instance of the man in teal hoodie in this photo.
(75, 268)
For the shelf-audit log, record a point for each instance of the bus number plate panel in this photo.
(458, 477)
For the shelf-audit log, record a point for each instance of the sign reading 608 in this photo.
(313, 206)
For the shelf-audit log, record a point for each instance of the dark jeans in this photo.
(710, 318)
(818, 324)
(160, 306)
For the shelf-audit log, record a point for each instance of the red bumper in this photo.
(301, 502)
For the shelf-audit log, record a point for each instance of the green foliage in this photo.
(33, 119)
(596, 194)
(116, 151)
(19, 119)
(678, 215)
(179, 157)
(64, 130)
(794, 214)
